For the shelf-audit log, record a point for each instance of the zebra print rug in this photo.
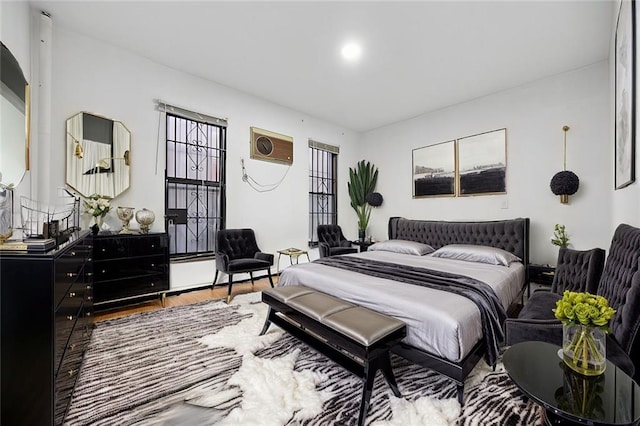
(204, 364)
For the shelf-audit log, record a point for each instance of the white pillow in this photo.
(473, 253)
(402, 246)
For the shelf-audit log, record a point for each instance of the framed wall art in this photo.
(434, 169)
(625, 95)
(482, 163)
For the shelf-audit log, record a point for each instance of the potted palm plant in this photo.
(362, 182)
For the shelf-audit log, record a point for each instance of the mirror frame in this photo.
(11, 70)
(97, 167)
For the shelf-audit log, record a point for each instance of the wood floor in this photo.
(187, 298)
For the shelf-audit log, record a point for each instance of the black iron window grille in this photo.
(323, 207)
(195, 185)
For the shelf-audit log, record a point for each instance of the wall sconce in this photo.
(566, 182)
(104, 163)
(78, 151)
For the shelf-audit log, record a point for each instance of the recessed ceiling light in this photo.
(351, 51)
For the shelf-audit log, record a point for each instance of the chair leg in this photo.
(251, 276)
(269, 275)
(215, 279)
(229, 291)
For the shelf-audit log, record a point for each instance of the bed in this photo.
(446, 330)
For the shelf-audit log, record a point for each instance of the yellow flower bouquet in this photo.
(585, 318)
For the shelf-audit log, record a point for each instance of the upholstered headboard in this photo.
(511, 235)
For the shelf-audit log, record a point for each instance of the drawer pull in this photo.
(103, 250)
(89, 298)
(73, 253)
(153, 265)
(153, 246)
(104, 270)
(72, 294)
(71, 274)
(89, 274)
(88, 314)
(70, 317)
(152, 284)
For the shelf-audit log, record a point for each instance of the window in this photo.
(323, 208)
(195, 182)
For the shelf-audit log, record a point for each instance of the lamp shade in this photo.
(564, 183)
(374, 199)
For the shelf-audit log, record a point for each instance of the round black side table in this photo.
(612, 398)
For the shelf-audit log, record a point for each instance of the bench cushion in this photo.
(361, 325)
(318, 305)
(286, 293)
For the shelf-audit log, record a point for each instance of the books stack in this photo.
(29, 244)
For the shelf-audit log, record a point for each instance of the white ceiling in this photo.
(417, 56)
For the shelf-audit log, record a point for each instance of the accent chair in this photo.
(332, 242)
(238, 252)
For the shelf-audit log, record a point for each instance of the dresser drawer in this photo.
(110, 248)
(151, 244)
(65, 381)
(129, 287)
(133, 267)
(66, 316)
(69, 270)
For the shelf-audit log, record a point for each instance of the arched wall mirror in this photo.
(97, 156)
(14, 120)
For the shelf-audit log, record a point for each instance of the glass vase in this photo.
(584, 349)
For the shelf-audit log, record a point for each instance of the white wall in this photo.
(93, 76)
(533, 115)
(89, 75)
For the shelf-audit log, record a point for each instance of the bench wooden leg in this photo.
(369, 376)
(387, 372)
(267, 322)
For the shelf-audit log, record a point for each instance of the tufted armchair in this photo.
(237, 252)
(575, 271)
(620, 284)
(331, 241)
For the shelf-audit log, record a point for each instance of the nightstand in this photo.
(364, 245)
(540, 274)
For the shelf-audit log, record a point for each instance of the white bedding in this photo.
(438, 322)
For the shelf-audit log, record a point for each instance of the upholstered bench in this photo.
(357, 338)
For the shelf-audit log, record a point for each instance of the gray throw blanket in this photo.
(491, 310)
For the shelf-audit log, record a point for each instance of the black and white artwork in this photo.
(482, 163)
(624, 96)
(434, 169)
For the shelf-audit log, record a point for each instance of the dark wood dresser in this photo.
(129, 266)
(46, 323)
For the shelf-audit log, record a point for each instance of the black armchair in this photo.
(575, 271)
(331, 241)
(620, 284)
(237, 252)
